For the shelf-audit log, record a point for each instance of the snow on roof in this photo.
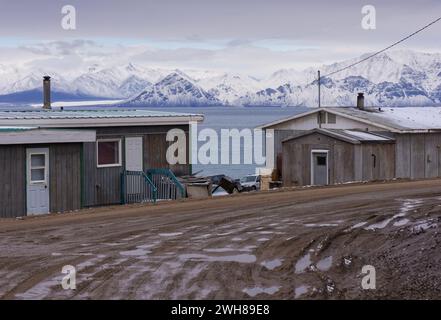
(399, 118)
(365, 136)
(351, 136)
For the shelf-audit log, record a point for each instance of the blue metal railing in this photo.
(167, 184)
(137, 187)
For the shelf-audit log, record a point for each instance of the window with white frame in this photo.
(38, 168)
(108, 152)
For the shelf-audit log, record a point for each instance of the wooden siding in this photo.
(279, 136)
(65, 177)
(297, 159)
(378, 161)
(102, 186)
(13, 181)
(346, 162)
(418, 155)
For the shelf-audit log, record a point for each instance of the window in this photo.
(326, 117)
(321, 117)
(332, 119)
(108, 153)
(321, 160)
(38, 168)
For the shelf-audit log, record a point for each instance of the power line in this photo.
(381, 51)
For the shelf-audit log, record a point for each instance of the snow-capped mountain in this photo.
(390, 79)
(176, 89)
(229, 88)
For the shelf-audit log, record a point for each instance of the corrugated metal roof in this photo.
(89, 114)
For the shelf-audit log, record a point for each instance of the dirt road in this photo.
(309, 243)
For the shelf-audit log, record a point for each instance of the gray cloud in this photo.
(246, 35)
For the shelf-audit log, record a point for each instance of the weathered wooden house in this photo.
(331, 145)
(60, 160)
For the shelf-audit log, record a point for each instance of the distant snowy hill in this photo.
(396, 78)
(176, 89)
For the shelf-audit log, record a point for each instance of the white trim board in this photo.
(47, 136)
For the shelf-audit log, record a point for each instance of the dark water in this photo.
(219, 118)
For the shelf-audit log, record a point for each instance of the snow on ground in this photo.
(79, 103)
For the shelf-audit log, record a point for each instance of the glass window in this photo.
(321, 160)
(37, 175)
(37, 160)
(332, 118)
(108, 153)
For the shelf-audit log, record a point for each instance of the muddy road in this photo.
(301, 244)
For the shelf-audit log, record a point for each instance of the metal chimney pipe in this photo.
(47, 92)
(360, 101)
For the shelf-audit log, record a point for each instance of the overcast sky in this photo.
(250, 36)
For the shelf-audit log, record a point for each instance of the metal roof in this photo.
(351, 136)
(397, 119)
(94, 117)
(81, 114)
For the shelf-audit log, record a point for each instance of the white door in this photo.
(134, 183)
(134, 154)
(37, 185)
(319, 168)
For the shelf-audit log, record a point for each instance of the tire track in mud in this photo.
(233, 250)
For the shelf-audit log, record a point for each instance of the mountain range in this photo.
(396, 78)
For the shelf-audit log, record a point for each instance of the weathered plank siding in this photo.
(65, 177)
(279, 136)
(102, 186)
(378, 161)
(12, 181)
(346, 162)
(418, 155)
(297, 159)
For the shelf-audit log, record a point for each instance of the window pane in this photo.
(331, 118)
(321, 160)
(37, 160)
(108, 152)
(37, 174)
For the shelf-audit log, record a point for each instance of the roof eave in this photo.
(103, 122)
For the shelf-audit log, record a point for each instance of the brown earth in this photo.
(308, 243)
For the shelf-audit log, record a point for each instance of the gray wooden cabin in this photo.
(59, 160)
(322, 156)
(413, 150)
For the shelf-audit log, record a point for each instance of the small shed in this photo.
(330, 156)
